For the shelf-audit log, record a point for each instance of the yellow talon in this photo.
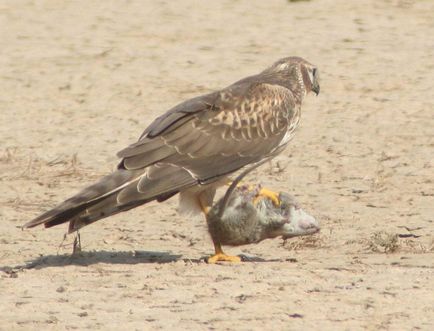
(263, 193)
(266, 193)
(221, 256)
(224, 258)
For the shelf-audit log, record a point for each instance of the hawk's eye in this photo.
(312, 75)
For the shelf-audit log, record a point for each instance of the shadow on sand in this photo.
(89, 258)
(110, 257)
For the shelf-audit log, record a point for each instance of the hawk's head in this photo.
(296, 70)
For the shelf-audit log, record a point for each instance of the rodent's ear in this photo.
(288, 200)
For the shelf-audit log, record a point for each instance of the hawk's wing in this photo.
(215, 134)
(198, 141)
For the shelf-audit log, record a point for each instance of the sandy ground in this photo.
(80, 80)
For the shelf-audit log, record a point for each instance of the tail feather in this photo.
(92, 195)
(120, 191)
(99, 211)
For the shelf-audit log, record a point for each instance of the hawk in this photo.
(193, 148)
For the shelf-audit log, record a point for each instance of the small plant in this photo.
(383, 242)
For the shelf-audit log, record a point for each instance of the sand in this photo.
(80, 80)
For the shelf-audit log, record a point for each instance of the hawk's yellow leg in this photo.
(266, 193)
(204, 205)
(221, 256)
(263, 193)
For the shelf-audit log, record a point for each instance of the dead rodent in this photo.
(246, 221)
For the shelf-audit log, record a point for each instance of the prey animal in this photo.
(244, 217)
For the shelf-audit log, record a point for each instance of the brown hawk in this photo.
(193, 147)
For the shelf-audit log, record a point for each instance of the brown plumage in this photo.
(193, 147)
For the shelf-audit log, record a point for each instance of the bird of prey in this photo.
(193, 147)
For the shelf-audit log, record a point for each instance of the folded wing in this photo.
(196, 142)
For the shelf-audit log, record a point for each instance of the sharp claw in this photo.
(265, 193)
(223, 258)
